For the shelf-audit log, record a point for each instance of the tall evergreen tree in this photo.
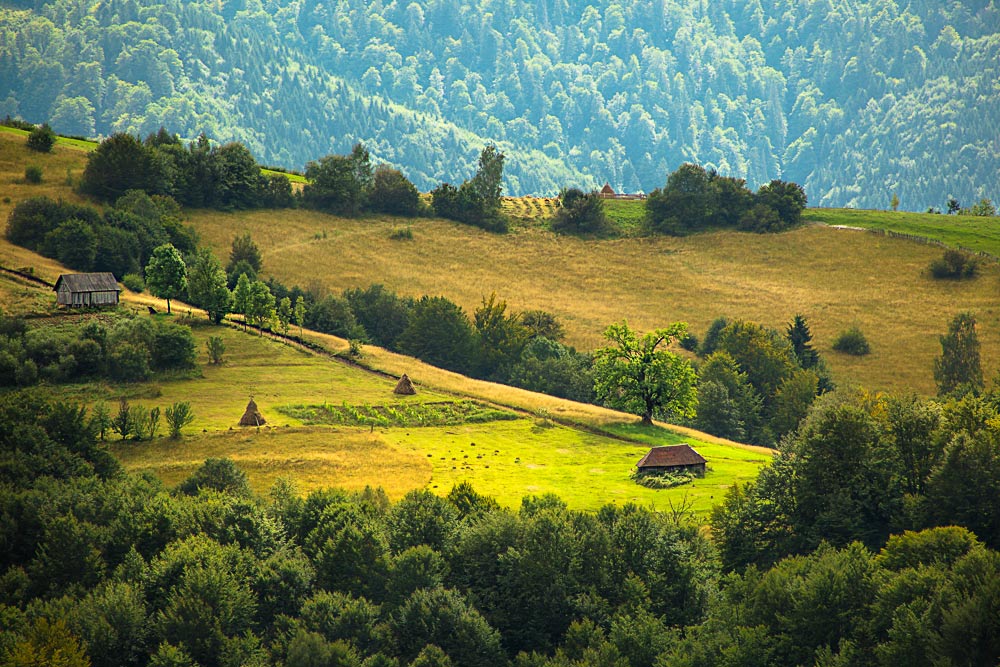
(799, 336)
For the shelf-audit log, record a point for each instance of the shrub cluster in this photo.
(852, 342)
(580, 213)
(121, 240)
(954, 264)
(42, 138)
(477, 200)
(122, 349)
(200, 175)
(33, 174)
(695, 199)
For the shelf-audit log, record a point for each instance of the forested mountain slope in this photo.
(854, 99)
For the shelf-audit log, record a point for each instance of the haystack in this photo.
(252, 416)
(404, 387)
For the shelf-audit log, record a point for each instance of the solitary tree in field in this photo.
(641, 376)
(166, 275)
(958, 369)
(42, 139)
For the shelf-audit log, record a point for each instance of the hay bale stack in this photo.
(404, 387)
(252, 416)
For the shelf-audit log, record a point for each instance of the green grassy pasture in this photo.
(507, 457)
(973, 232)
(627, 215)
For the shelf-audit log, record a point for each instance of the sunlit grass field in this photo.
(583, 453)
(835, 278)
(506, 459)
(973, 232)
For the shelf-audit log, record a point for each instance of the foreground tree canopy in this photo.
(105, 568)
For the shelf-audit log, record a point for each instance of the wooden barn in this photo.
(672, 459)
(87, 289)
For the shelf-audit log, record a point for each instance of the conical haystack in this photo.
(252, 416)
(404, 387)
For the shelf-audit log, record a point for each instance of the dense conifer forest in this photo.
(856, 101)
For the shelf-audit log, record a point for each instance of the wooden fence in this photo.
(934, 242)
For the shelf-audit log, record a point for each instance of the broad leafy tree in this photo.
(166, 274)
(339, 183)
(439, 332)
(393, 193)
(787, 199)
(959, 369)
(119, 164)
(642, 376)
(241, 298)
(207, 285)
(684, 204)
(260, 305)
(502, 337)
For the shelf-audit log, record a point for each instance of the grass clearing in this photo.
(507, 457)
(530, 457)
(973, 232)
(627, 215)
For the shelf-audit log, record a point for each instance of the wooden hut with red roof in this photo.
(672, 459)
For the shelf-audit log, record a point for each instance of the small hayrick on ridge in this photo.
(404, 387)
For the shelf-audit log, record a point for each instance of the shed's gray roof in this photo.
(88, 282)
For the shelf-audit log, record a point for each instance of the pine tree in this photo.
(799, 336)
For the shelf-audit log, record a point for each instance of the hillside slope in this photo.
(835, 278)
(854, 99)
(508, 443)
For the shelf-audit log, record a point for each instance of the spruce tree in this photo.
(799, 336)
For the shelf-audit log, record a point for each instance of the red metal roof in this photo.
(674, 455)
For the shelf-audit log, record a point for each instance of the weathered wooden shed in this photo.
(87, 289)
(672, 459)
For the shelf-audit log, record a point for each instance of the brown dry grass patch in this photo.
(836, 278)
(314, 457)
